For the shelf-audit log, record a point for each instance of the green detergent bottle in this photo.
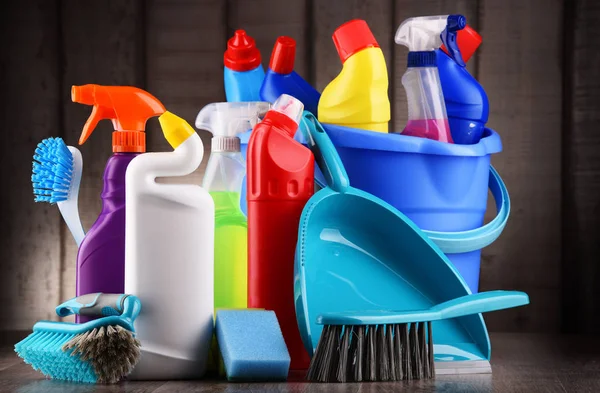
(223, 179)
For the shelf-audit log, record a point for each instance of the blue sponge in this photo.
(252, 345)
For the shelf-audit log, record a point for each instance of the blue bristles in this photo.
(52, 171)
(43, 351)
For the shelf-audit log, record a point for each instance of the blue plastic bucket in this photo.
(442, 187)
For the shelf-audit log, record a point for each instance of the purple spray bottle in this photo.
(101, 256)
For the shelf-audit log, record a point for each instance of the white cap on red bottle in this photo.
(289, 106)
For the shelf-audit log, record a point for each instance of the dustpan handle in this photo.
(465, 305)
(325, 153)
(476, 239)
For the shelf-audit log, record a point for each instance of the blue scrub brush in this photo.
(56, 177)
(104, 350)
(381, 345)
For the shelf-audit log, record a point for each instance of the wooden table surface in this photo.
(520, 363)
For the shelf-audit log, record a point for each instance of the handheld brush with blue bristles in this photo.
(56, 177)
(104, 350)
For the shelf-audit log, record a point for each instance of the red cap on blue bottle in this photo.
(352, 37)
(283, 55)
(242, 53)
(468, 41)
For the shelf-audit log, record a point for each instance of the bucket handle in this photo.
(325, 153)
(476, 239)
(449, 242)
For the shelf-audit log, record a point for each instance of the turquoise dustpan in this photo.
(357, 252)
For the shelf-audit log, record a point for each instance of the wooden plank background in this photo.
(520, 68)
(581, 169)
(538, 64)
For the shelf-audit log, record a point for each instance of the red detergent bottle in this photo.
(280, 181)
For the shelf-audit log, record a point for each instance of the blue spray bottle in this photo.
(243, 74)
(466, 101)
(282, 79)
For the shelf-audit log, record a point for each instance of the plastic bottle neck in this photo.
(224, 172)
(223, 180)
(225, 144)
(417, 59)
(113, 191)
(128, 141)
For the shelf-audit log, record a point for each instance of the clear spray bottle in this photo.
(223, 179)
(427, 117)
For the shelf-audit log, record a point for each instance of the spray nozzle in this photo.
(225, 120)
(456, 22)
(424, 33)
(449, 35)
(467, 40)
(127, 107)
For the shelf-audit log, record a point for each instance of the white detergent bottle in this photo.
(427, 116)
(169, 247)
(223, 180)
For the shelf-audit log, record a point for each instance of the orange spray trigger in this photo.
(127, 107)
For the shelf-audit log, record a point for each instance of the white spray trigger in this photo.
(421, 33)
(227, 119)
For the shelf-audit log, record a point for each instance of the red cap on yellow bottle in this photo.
(352, 37)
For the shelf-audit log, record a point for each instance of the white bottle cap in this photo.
(289, 106)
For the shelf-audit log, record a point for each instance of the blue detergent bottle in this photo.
(282, 79)
(243, 74)
(466, 101)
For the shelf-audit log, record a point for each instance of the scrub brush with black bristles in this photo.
(103, 350)
(382, 345)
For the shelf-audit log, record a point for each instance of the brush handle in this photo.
(325, 153)
(101, 305)
(465, 305)
(69, 209)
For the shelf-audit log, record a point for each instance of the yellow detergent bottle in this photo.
(223, 179)
(358, 96)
